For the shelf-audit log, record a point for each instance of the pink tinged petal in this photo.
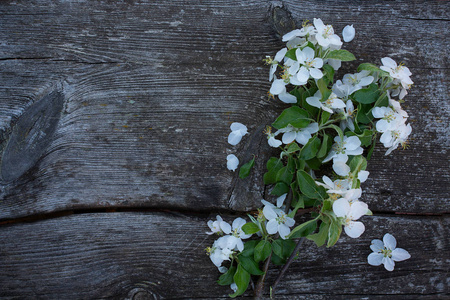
(389, 241)
(377, 246)
(354, 229)
(283, 230)
(269, 213)
(278, 87)
(316, 74)
(313, 101)
(280, 54)
(357, 210)
(389, 62)
(280, 200)
(232, 162)
(348, 33)
(375, 259)
(341, 168)
(290, 35)
(341, 207)
(400, 254)
(234, 137)
(272, 226)
(388, 263)
(303, 74)
(363, 175)
(352, 143)
(303, 137)
(287, 98)
(289, 137)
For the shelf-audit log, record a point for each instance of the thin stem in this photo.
(288, 263)
(260, 284)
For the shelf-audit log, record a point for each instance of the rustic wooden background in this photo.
(114, 118)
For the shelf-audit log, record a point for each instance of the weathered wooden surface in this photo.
(116, 254)
(150, 89)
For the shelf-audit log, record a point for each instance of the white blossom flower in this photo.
(238, 130)
(219, 226)
(279, 88)
(340, 165)
(339, 186)
(358, 80)
(400, 74)
(348, 33)
(232, 162)
(301, 135)
(277, 220)
(274, 63)
(325, 35)
(219, 251)
(392, 138)
(349, 146)
(348, 116)
(390, 120)
(307, 29)
(349, 214)
(310, 65)
(386, 252)
(342, 90)
(234, 241)
(333, 102)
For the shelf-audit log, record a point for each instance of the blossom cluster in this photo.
(328, 121)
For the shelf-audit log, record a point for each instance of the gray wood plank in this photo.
(118, 255)
(151, 88)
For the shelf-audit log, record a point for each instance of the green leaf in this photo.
(291, 54)
(334, 232)
(310, 149)
(250, 228)
(362, 114)
(292, 148)
(242, 279)
(262, 251)
(329, 73)
(250, 265)
(357, 163)
(293, 115)
(320, 237)
(368, 67)
(341, 54)
(321, 84)
(284, 175)
(309, 187)
(283, 248)
(244, 171)
(314, 163)
(383, 100)
(273, 166)
(249, 248)
(327, 142)
(303, 229)
(324, 117)
(227, 278)
(368, 95)
(279, 189)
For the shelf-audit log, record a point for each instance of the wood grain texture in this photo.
(151, 88)
(161, 255)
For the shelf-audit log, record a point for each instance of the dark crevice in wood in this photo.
(185, 212)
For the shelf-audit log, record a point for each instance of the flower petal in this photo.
(232, 162)
(375, 259)
(272, 226)
(348, 33)
(289, 137)
(389, 264)
(354, 229)
(239, 127)
(269, 213)
(399, 254)
(283, 230)
(287, 98)
(316, 73)
(278, 87)
(377, 246)
(357, 210)
(341, 207)
(389, 241)
(234, 137)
